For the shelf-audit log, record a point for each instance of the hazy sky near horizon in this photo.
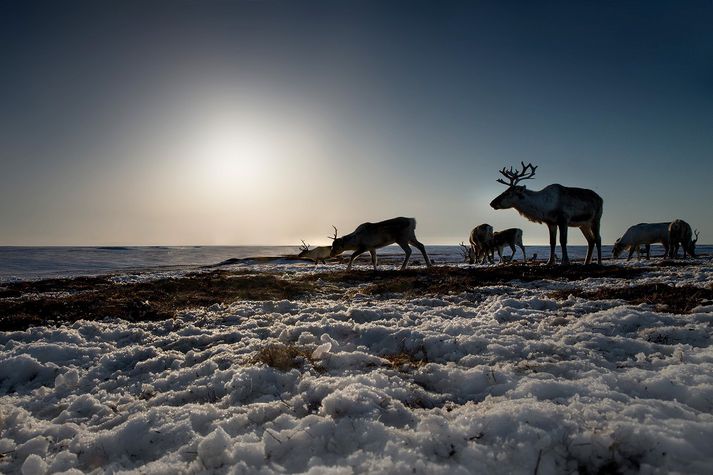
(265, 122)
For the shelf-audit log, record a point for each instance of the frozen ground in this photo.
(503, 379)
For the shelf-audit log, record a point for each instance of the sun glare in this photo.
(233, 155)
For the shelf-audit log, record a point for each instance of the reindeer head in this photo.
(467, 253)
(514, 193)
(337, 244)
(617, 249)
(304, 249)
(691, 248)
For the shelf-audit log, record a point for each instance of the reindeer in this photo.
(479, 237)
(371, 236)
(642, 233)
(319, 253)
(557, 206)
(510, 237)
(467, 253)
(679, 233)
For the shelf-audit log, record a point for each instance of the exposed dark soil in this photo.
(77, 284)
(666, 298)
(98, 298)
(58, 301)
(448, 280)
(676, 263)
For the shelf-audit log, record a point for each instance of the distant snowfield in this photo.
(502, 380)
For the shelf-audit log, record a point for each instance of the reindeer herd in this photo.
(559, 207)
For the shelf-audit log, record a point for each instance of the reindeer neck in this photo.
(536, 205)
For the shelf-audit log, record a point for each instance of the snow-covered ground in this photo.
(503, 379)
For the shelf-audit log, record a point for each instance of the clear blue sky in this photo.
(264, 122)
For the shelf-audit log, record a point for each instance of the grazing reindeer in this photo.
(642, 233)
(467, 253)
(371, 236)
(510, 237)
(319, 253)
(557, 206)
(679, 233)
(479, 238)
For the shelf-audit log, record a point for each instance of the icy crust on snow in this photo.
(501, 380)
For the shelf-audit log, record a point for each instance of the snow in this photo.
(503, 379)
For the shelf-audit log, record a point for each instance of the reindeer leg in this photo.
(421, 248)
(597, 240)
(648, 251)
(563, 243)
(589, 236)
(373, 257)
(407, 250)
(631, 253)
(512, 248)
(553, 242)
(354, 255)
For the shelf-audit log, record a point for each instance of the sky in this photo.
(267, 122)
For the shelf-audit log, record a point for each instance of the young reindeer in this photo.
(508, 237)
(319, 253)
(680, 234)
(557, 206)
(479, 238)
(371, 236)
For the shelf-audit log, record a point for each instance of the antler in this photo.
(304, 247)
(696, 233)
(515, 176)
(465, 250)
(335, 233)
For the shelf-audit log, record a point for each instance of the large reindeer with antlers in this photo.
(371, 236)
(557, 206)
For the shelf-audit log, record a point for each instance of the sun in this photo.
(230, 154)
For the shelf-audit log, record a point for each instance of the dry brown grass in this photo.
(283, 357)
(405, 360)
(58, 301)
(665, 297)
(98, 298)
(443, 280)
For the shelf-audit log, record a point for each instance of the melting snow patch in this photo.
(508, 380)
